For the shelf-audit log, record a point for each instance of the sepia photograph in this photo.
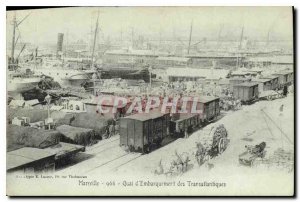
(150, 101)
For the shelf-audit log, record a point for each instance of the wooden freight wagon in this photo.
(207, 107)
(264, 84)
(143, 132)
(183, 124)
(210, 107)
(274, 81)
(237, 80)
(286, 78)
(246, 92)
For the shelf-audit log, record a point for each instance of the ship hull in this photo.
(16, 87)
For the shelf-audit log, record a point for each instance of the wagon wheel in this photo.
(221, 145)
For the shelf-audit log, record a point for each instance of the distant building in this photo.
(131, 56)
(194, 74)
(224, 62)
(173, 62)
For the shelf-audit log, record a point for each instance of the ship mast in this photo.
(14, 41)
(95, 38)
(13, 38)
(190, 38)
(239, 48)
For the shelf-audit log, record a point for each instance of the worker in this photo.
(186, 135)
(200, 153)
(112, 130)
(285, 91)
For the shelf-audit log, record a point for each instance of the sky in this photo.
(42, 25)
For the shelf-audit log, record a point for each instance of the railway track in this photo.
(103, 144)
(114, 164)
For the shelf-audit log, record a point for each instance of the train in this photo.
(145, 132)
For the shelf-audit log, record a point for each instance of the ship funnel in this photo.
(60, 39)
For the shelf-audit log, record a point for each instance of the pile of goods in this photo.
(48, 83)
(215, 141)
(19, 136)
(98, 123)
(80, 136)
(211, 144)
(34, 115)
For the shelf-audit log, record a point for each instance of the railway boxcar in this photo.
(183, 123)
(237, 80)
(264, 84)
(246, 92)
(210, 107)
(286, 78)
(144, 132)
(274, 81)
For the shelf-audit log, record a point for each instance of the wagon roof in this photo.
(146, 116)
(24, 156)
(270, 77)
(185, 116)
(205, 99)
(263, 80)
(283, 72)
(239, 79)
(247, 84)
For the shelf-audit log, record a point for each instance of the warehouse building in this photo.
(194, 74)
(28, 159)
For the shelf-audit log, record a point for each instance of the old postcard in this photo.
(150, 101)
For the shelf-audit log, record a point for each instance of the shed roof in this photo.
(105, 102)
(194, 72)
(32, 102)
(24, 156)
(17, 103)
(63, 148)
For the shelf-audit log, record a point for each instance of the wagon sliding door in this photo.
(130, 132)
(138, 136)
(158, 128)
(123, 132)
